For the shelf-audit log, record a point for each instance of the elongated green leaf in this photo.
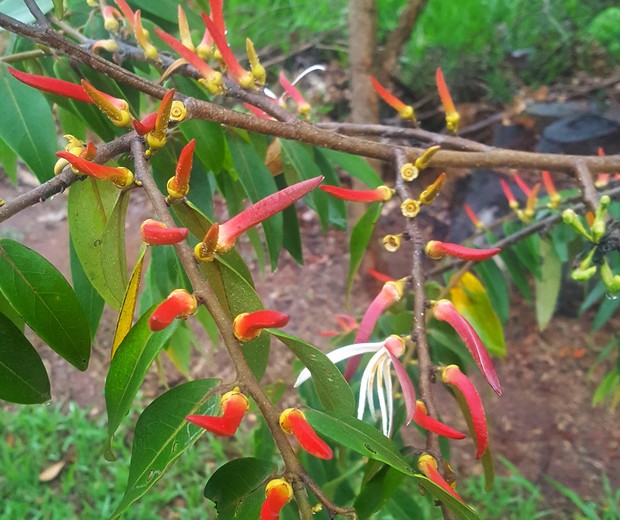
(23, 378)
(548, 286)
(489, 469)
(297, 157)
(238, 487)
(19, 11)
(527, 250)
(514, 266)
(377, 491)
(496, 286)
(359, 437)
(125, 316)
(471, 300)
(162, 434)
(27, 125)
(90, 208)
(331, 387)
(355, 166)
(461, 511)
(337, 208)
(292, 236)
(403, 506)
(258, 183)
(360, 238)
(7, 309)
(8, 160)
(92, 304)
(608, 307)
(45, 300)
(113, 256)
(128, 369)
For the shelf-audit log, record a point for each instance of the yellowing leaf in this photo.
(125, 316)
(472, 301)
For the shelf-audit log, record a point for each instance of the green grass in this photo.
(89, 486)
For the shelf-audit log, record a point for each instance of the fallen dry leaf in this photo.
(52, 471)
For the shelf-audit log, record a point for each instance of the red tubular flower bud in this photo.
(229, 231)
(117, 110)
(126, 10)
(179, 305)
(554, 196)
(121, 177)
(184, 31)
(178, 186)
(473, 217)
(380, 276)
(142, 35)
(452, 375)
(248, 326)
(391, 292)
(437, 250)
(521, 183)
(380, 194)
(452, 116)
(293, 422)
(512, 201)
(277, 494)
(303, 107)
(235, 70)
(445, 311)
(404, 111)
(156, 139)
(427, 422)
(234, 405)
(145, 125)
(52, 85)
(428, 466)
(212, 78)
(156, 233)
(111, 15)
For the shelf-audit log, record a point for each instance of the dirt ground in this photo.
(544, 423)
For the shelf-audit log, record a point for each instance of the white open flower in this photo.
(386, 353)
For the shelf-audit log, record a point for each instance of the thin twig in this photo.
(35, 10)
(588, 190)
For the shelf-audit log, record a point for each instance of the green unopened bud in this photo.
(611, 280)
(572, 219)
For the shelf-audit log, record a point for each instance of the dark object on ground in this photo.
(581, 135)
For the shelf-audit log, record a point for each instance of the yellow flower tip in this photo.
(60, 165)
(111, 25)
(214, 83)
(429, 195)
(409, 172)
(258, 71)
(173, 192)
(237, 394)
(154, 142)
(284, 422)
(399, 285)
(124, 179)
(205, 250)
(304, 110)
(282, 484)
(407, 112)
(410, 208)
(426, 460)
(386, 192)
(452, 121)
(150, 52)
(423, 161)
(247, 81)
(391, 243)
(204, 51)
(178, 111)
(106, 45)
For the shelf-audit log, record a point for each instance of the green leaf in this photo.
(90, 208)
(489, 469)
(297, 157)
(113, 256)
(258, 183)
(7, 309)
(210, 143)
(45, 300)
(527, 249)
(23, 378)
(92, 304)
(548, 286)
(128, 369)
(360, 437)
(355, 166)
(515, 268)
(8, 160)
(360, 238)
(238, 487)
(18, 10)
(331, 387)
(377, 491)
(292, 236)
(606, 310)
(472, 301)
(162, 434)
(461, 511)
(403, 506)
(496, 286)
(27, 125)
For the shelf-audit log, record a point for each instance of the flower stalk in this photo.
(178, 186)
(404, 111)
(121, 177)
(452, 116)
(437, 250)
